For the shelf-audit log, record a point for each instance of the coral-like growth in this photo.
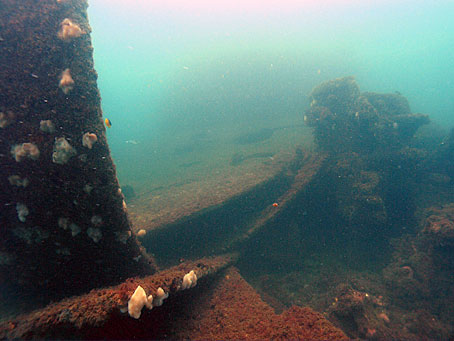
(189, 280)
(6, 118)
(16, 180)
(47, 126)
(69, 30)
(161, 295)
(96, 220)
(22, 212)
(66, 81)
(141, 232)
(94, 233)
(25, 150)
(89, 139)
(137, 301)
(440, 224)
(419, 278)
(344, 119)
(62, 151)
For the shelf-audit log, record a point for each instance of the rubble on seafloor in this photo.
(408, 298)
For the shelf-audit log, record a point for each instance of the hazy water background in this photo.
(182, 79)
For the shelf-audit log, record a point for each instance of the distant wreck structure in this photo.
(64, 229)
(344, 119)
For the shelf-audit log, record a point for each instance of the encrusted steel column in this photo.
(63, 222)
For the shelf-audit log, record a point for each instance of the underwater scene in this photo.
(225, 170)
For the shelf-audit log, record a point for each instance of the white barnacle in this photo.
(94, 233)
(63, 151)
(137, 301)
(161, 295)
(189, 280)
(22, 212)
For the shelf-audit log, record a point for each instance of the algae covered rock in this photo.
(344, 119)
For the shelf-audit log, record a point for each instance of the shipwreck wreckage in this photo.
(71, 263)
(68, 252)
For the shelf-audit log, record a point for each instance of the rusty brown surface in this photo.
(233, 310)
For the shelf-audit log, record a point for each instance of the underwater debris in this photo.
(6, 118)
(25, 150)
(17, 181)
(89, 139)
(69, 30)
(62, 151)
(189, 280)
(22, 212)
(47, 126)
(66, 81)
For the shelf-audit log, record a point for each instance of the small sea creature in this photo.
(275, 204)
(384, 317)
(137, 301)
(22, 212)
(189, 280)
(66, 81)
(95, 234)
(6, 118)
(47, 126)
(63, 151)
(96, 220)
(89, 139)
(69, 30)
(25, 150)
(108, 123)
(17, 181)
(132, 142)
(161, 295)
